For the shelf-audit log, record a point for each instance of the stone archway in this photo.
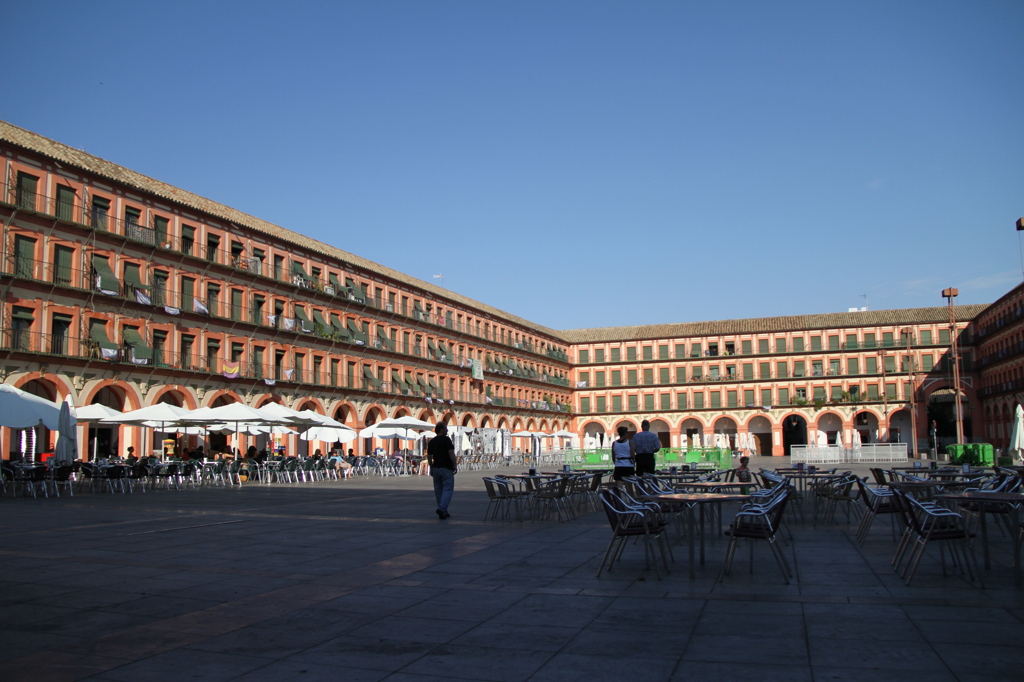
(690, 431)
(595, 436)
(866, 425)
(832, 425)
(661, 428)
(759, 428)
(794, 432)
(726, 426)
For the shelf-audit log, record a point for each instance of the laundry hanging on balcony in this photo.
(199, 307)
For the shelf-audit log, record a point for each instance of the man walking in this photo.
(441, 456)
(646, 444)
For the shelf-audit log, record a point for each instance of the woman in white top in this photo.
(622, 455)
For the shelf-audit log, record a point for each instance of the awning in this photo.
(357, 334)
(23, 315)
(422, 381)
(300, 313)
(98, 333)
(432, 346)
(945, 395)
(397, 382)
(443, 348)
(138, 344)
(368, 373)
(318, 317)
(433, 385)
(299, 269)
(108, 281)
(387, 342)
(132, 276)
(410, 383)
(339, 326)
(338, 287)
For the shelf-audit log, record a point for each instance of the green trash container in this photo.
(986, 453)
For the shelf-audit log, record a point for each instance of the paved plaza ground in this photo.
(359, 580)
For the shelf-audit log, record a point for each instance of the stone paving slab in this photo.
(358, 580)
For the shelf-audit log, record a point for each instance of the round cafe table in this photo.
(692, 501)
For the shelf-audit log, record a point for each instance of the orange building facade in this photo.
(780, 379)
(123, 290)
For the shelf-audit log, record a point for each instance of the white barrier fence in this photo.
(876, 453)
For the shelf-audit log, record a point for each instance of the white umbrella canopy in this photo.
(160, 412)
(21, 410)
(1016, 447)
(562, 433)
(330, 434)
(855, 438)
(233, 413)
(523, 434)
(67, 435)
(406, 423)
(839, 438)
(280, 412)
(697, 441)
(94, 413)
(822, 438)
(249, 428)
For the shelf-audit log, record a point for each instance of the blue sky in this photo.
(575, 163)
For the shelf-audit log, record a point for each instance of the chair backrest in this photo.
(489, 486)
(62, 473)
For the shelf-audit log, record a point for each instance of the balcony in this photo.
(239, 260)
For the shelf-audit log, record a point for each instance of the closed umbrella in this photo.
(855, 438)
(1017, 435)
(822, 438)
(67, 435)
(839, 438)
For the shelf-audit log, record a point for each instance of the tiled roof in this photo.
(867, 318)
(101, 167)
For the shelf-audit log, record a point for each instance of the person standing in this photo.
(645, 444)
(622, 455)
(441, 457)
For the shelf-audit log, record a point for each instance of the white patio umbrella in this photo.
(90, 414)
(855, 438)
(279, 411)
(839, 438)
(1016, 447)
(21, 410)
(822, 438)
(149, 416)
(697, 441)
(67, 435)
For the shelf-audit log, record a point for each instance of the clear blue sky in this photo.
(576, 163)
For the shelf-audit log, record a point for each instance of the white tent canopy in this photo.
(21, 410)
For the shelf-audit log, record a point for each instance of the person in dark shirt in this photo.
(441, 455)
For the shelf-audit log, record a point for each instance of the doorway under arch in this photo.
(794, 432)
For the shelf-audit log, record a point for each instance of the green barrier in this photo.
(971, 453)
(719, 458)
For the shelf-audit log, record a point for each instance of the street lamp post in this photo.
(909, 333)
(949, 295)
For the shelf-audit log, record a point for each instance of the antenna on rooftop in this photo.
(865, 297)
(440, 277)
